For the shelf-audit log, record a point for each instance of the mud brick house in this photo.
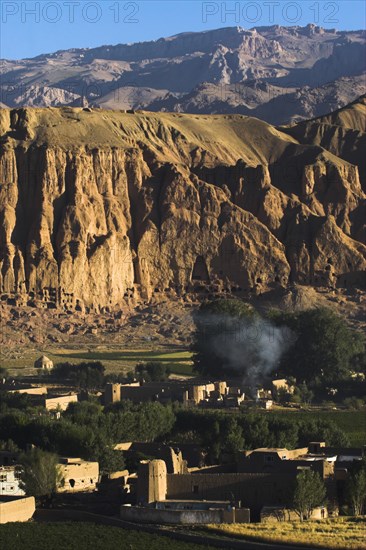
(263, 478)
(78, 475)
(10, 481)
(188, 392)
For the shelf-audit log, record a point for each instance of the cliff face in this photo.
(102, 207)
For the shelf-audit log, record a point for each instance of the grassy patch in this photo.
(130, 355)
(336, 533)
(179, 362)
(82, 536)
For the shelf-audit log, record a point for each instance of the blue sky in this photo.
(29, 28)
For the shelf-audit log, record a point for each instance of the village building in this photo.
(281, 385)
(77, 475)
(248, 491)
(262, 393)
(285, 461)
(40, 396)
(191, 453)
(31, 390)
(156, 507)
(261, 484)
(172, 457)
(188, 392)
(43, 363)
(59, 402)
(10, 482)
(266, 404)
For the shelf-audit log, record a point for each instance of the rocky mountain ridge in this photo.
(278, 74)
(101, 209)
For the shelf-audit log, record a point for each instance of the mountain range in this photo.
(278, 74)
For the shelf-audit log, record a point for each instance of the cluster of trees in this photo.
(88, 375)
(91, 375)
(326, 350)
(319, 350)
(300, 394)
(87, 430)
(152, 371)
(219, 432)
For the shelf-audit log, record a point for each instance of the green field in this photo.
(179, 362)
(82, 536)
(114, 359)
(353, 423)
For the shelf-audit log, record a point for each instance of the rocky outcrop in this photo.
(103, 208)
(342, 132)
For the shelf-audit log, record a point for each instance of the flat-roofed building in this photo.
(10, 481)
(77, 475)
(60, 402)
(32, 390)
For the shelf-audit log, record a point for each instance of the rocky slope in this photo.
(342, 132)
(279, 74)
(100, 209)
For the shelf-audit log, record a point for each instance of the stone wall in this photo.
(19, 509)
(185, 517)
(60, 402)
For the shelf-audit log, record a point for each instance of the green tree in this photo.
(305, 394)
(220, 322)
(84, 412)
(153, 371)
(111, 461)
(233, 437)
(88, 375)
(354, 403)
(308, 494)
(356, 491)
(325, 347)
(9, 446)
(39, 475)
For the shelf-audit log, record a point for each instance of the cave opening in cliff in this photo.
(200, 271)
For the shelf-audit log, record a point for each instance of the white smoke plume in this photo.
(251, 347)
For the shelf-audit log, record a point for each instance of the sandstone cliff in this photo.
(103, 207)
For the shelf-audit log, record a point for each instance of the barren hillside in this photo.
(278, 74)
